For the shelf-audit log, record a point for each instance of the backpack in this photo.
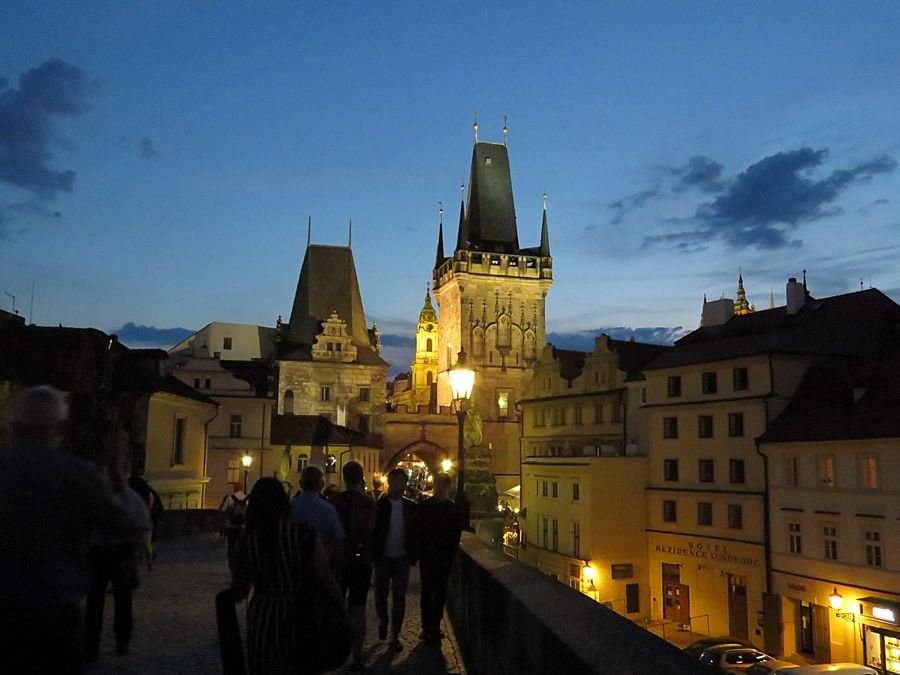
(356, 512)
(238, 511)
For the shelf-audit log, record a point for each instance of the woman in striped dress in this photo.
(269, 560)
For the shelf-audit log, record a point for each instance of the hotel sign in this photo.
(701, 550)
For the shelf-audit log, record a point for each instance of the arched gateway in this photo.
(430, 453)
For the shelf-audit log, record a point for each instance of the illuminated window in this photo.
(873, 548)
(487, 161)
(795, 539)
(868, 473)
(826, 470)
(233, 472)
(829, 539)
(302, 461)
(503, 404)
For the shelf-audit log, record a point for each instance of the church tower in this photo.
(425, 366)
(491, 293)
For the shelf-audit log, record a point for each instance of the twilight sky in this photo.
(158, 160)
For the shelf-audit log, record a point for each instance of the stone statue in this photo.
(472, 431)
(284, 467)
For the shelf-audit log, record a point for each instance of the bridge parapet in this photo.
(510, 618)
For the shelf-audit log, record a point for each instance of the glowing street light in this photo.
(462, 380)
(446, 465)
(246, 460)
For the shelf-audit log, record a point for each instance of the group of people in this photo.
(355, 537)
(68, 528)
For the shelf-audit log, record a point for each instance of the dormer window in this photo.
(487, 161)
(495, 260)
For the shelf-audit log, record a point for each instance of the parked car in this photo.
(771, 667)
(842, 668)
(696, 648)
(732, 659)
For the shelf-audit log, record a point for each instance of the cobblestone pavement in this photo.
(175, 623)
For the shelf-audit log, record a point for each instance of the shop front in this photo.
(881, 633)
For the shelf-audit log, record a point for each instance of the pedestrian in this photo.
(113, 560)
(394, 541)
(49, 501)
(309, 507)
(356, 509)
(234, 506)
(140, 485)
(440, 522)
(270, 560)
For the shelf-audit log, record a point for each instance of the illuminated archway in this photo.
(430, 453)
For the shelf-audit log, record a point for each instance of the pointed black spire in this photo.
(545, 233)
(439, 256)
(462, 238)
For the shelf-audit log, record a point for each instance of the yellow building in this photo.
(584, 469)
(834, 472)
(422, 389)
(708, 399)
(491, 293)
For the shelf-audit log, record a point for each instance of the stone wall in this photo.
(510, 618)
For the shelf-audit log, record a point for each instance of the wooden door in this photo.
(806, 628)
(821, 634)
(683, 605)
(671, 576)
(737, 606)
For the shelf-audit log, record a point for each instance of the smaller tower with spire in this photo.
(741, 305)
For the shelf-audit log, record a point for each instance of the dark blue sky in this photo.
(158, 160)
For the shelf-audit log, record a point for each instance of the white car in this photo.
(793, 669)
(732, 659)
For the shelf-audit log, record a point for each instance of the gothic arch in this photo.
(430, 453)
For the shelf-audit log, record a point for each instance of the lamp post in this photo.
(462, 380)
(246, 460)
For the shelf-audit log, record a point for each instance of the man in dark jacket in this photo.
(440, 520)
(394, 550)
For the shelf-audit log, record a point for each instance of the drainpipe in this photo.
(624, 400)
(767, 525)
(262, 440)
(206, 455)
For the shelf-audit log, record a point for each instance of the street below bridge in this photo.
(175, 621)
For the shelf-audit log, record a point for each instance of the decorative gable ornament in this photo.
(334, 343)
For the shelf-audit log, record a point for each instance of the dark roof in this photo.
(844, 399)
(634, 356)
(172, 385)
(255, 373)
(491, 212)
(9, 316)
(849, 324)
(571, 362)
(318, 430)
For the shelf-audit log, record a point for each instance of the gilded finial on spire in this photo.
(741, 305)
(505, 128)
(475, 126)
(545, 201)
(441, 213)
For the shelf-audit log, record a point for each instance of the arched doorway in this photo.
(421, 460)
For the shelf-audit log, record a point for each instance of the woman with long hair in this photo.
(269, 559)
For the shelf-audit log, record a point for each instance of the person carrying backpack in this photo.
(234, 506)
(356, 509)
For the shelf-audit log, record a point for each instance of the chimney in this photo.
(717, 312)
(795, 294)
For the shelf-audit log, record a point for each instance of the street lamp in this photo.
(462, 379)
(836, 600)
(446, 465)
(246, 460)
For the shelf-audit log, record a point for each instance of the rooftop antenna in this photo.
(308, 230)
(860, 283)
(31, 308)
(505, 128)
(350, 234)
(13, 298)
(475, 126)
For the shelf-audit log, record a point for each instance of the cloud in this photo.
(148, 149)
(137, 336)
(622, 207)
(583, 340)
(763, 205)
(867, 209)
(55, 89)
(701, 173)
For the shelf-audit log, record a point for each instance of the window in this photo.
(538, 418)
(429, 345)
(706, 471)
(670, 513)
(555, 492)
(826, 470)
(235, 425)
(598, 412)
(364, 394)
(632, 598)
(735, 424)
(704, 513)
(288, 402)
(616, 413)
(795, 539)
(674, 386)
(329, 347)
(873, 548)
(325, 392)
(577, 419)
(233, 473)
(576, 540)
(670, 427)
(559, 416)
(709, 383)
(576, 492)
(487, 161)
(362, 423)
(735, 516)
(179, 439)
(705, 426)
(544, 489)
(302, 461)
(736, 470)
(555, 534)
(544, 529)
(740, 379)
(670, 469)
(207, 384)
(621, 571)
(791, 470)
(196, 383)
(868, 473)
(829, 539)
(537, 487)
(503, 404)
(226, 344)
